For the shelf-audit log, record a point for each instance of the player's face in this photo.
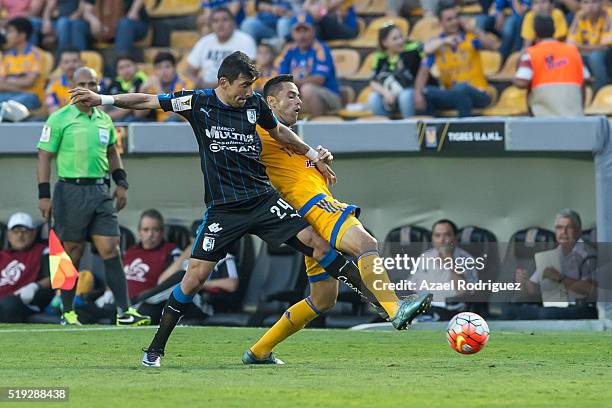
(69, 63)
(21, 238)
(394, 41)
(151, 233)
(88, 80)
(288, 104)
(126, 69)
(165, 71)
(303, 36)
(566, 232)
(450, 21)
(223, 25)
(239, 90)
(443, 236)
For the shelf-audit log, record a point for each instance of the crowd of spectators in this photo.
(438, 74)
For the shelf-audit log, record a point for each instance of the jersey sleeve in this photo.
(180, 102)
(51, 135)
(266, 118)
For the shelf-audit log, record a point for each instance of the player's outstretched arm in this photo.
(128, 101)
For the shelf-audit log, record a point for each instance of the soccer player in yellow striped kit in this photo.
(297, 179)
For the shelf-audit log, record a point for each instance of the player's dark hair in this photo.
(122, 57)
(544, 27)
(446, 221)
(274, 85)
(383, 33)
(236, 64)
(165, 56)
(21, 25)
(69, 50)
(222, 9)
(445, 5)
(151, 213)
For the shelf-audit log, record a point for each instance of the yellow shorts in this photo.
(330, 218)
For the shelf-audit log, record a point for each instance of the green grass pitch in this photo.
(325, 368)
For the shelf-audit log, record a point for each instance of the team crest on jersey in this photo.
(252, 115)
(208, 244)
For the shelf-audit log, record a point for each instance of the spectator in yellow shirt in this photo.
(21, 76)
(543, 8)
(56, 95)
(166, 80)
(591, 32)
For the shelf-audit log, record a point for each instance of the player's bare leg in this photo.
(180, 299)
(322, 298)
(357, 242)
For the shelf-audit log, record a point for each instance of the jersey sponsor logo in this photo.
(104, 136)
(136, 270)
(227, 133)
(182, 103)
(214, 228)
(45, 135)
(208, 244)
(215, 147)
(310, 164)
(252, 115)
(11, 273)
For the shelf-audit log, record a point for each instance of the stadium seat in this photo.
(365, 71)
(177, 234)
(147, 68)
(425, 28)
(346, 61)
(184, 40)
(276, 271)
(491, 62)
(589, 235)
(175, 8)
(369, 38)
(602, 103)
(93, 59)
(508, 70)
(472, 8)
(127, 238)
(151, 53)
(522, 248)
(588, 96)
(512, 102)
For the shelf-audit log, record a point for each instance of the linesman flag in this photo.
(63, 273)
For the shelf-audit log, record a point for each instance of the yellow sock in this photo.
(293, 320)
(386, 297)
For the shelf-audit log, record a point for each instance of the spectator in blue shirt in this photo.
(235, 6)
(312, 66)
(272, 20)
(508, 28)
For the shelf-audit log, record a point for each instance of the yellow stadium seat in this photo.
(588, 96)
(491, 62)
(346, 61)
(425, 28)
(508, 70)
(370, 7)
(512, 102)
(362, 98)
(369, 38)
(175, 8)
(47, 62)
(183, 39)
(151, 53)
(365, 71)
(93, 59)
(602, 103)
(473, 8)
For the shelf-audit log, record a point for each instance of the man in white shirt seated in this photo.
(564, 277)
(443, 268)
(206, 56)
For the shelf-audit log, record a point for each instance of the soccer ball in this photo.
(467, 333)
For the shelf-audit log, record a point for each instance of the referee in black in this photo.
(239, 197)
(83, 142)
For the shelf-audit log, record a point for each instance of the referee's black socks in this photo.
(175, 308)
(115, 280)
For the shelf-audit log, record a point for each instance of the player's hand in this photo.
(85, 96)
(325, 155)
(551, 273)
(521, 275)
(45, 207)
(120, 197)
(326, 171)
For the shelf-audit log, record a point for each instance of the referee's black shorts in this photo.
(268, 216)
(80, 211)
